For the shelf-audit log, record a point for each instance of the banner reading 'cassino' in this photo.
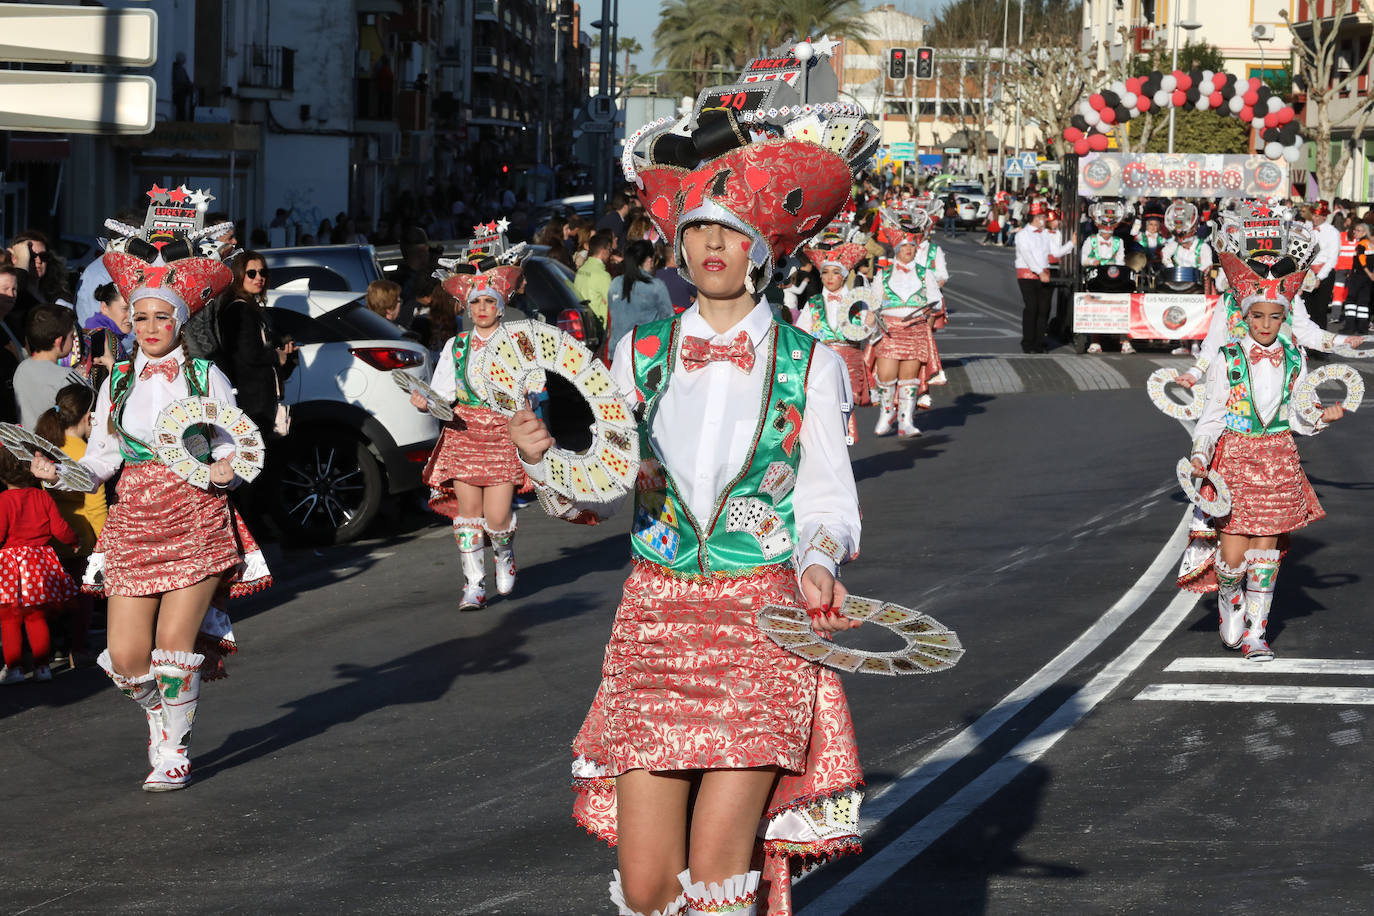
(1180, 175)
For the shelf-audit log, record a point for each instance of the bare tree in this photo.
(1327, 82)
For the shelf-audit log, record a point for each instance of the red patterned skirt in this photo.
(853, 356)
(689, 682)
(1270, 494)
(475, 448)
(915, 342)
(165, 534)
(33, 577)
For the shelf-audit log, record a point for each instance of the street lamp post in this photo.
(1190, 25)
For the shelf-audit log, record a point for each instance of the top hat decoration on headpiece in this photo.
(772, 156)
(173, 256)
(489, 245)
(1039, 208)
(1181, 217)
(1321, 208)
(844, 256)
(1264, 256)
(1107, 214)
(904, 225)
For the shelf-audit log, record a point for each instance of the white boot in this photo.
(469, 535)
(178, 680)
(503, 556)
(676, 906)
(906, 408)
(143, 691)
(1262, 573)
(887, 408)
(738, 895)
(1230, 601)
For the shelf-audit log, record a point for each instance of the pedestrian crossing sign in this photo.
(1014, 169)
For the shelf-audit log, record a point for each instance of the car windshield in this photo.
(354, 321)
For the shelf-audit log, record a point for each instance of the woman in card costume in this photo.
(1245, 434)
(745, 497)
(473, 472)
(911, 298)
(1254, 227)
(167, 547)
(830, 315)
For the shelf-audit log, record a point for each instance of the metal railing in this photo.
(268, 67)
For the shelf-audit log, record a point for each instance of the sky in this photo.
(639, 17)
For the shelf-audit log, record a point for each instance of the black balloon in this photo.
(1193, 95)
(1080, 122)
(1150, 88)
(1270, 134)
(1110, 99)
(1123, 114)
(1156, 76)
(1288, 133)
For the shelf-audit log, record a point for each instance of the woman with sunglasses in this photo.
(254, 359)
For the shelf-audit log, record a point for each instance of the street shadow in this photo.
(606, 554)
(1355, 485)
(67, 686)
(901, 457)
(955, 414)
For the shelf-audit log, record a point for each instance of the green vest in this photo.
(462, 390)
(197, 375)
(919, 298)
(821, 328)
(752, 524)
(1241, 414)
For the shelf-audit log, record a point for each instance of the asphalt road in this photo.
(377, 752)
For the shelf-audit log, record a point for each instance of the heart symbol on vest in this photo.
(647, 346)
(756, 178)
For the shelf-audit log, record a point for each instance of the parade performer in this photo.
(1105, 249)
(705, 740)
(167, 546)
(1240, 230)
(912, 297)
(473, 472)
(1034, 248)
(827, 317)
(1151, 238)
(1185, 249)
(1245, 434)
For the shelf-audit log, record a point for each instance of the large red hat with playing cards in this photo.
(844, 256)
(772, 156)
(499, 283)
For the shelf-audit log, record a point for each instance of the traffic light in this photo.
(925, 63)
(896, 63)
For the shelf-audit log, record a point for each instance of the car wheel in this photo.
(329, 487)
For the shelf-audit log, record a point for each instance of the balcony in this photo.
(485, 11)
(267, 72)
(484, 60)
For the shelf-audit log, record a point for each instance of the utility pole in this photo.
(600, 174)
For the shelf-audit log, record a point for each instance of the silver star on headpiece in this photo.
(201, 199)
(503, 225)
(824, 45)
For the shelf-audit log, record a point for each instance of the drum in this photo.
(1181, 279)
(1110, 278)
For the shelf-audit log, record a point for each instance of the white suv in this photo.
(355, 438)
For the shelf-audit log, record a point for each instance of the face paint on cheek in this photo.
(745, 246)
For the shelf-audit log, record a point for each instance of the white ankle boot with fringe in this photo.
(737, 895)
(178, 680)
(1230, 602)
(503, 556)
(469, 534)
(1260, 577)
(906, 408)
(887, 408)
(676, 907)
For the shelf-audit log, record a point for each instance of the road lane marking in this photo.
(1234, 664)
(877, 870)
(1258, 693)
(1090, 374)
(993, 376)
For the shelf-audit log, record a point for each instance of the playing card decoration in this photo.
(438, 407)
(181, 439)
(754, 516)
(1305, 395)
(23, 444)
(516, 362)
(1156, 386)
(929, 645)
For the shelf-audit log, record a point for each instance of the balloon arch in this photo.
(1249, 100)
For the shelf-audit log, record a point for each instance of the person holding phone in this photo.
(255, 359)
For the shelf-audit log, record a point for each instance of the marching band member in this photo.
(706, 738)
(473, 472)
(1105, 248)
(1185, 249)
(911, 297)
(827, 314)
(1151, 238)
(167, 546)
(1245, 434)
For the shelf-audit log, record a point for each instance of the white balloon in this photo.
(1292, 153)
(1236, 104)
(1207, 75)
(1086, 109)
(1130, 99)
(1118, 87)
(1206, 88)
(1274, 103)
(1168, 83)
(1092, 117)
(1257, 123)
(1162, 98)
(1203, 103)
(1273, 149)
(1102, 127)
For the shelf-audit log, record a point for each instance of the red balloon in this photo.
(1255, 83)
(1247, 114)
(1098, 142)
(1185, 82)
(1108, 115)
(1081, 147)
(1180, 98)
(1250, 98)
(1073, 134)
(1271, 120)
(1096, 100)
(1143, 103)
(1215, 100)
(1286, 114)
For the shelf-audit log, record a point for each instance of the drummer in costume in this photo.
(703, 729)
(1105, 249)
(839, 317)
(1152, 239)
(473, 472)
(168, 546)
(1245, 434)
(1185, 249)
(1248, 225)
(912, 297)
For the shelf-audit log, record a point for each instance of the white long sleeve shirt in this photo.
(1328, 249)
(1306, 333)
(141, 410)
(905, 280)
(703, 430)
(1033, 248)
(1103, 250)
(444, 382)
(1266, 394)
(1193, 252)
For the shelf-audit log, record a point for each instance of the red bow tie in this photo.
(834, 297)
(167, 368)
(902, 268)
(1258, 355)
(698, 351)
